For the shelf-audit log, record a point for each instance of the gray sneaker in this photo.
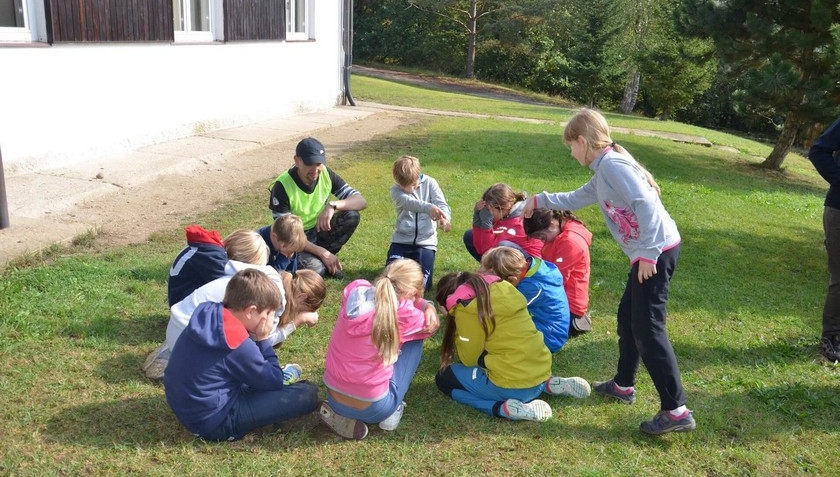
(156, 361)
(830, 348)
(663, 423)
(343, 426)
(609, 389)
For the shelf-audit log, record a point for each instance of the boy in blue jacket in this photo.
(223, 379)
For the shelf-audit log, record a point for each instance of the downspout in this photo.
(4, 206)
(347, 43)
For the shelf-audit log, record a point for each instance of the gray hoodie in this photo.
(414, 226)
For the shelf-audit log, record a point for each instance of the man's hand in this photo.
(324, 219)
(332, 262)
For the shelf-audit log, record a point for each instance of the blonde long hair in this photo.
(402, 279)
(593, 128)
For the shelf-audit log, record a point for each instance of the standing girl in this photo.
(629, 200)
(505, 365)
(375, 349)
(497, 220)
(566, 244)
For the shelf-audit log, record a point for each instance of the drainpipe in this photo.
(4, 206)
(347, 43)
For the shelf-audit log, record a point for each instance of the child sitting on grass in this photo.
(223, 380)
(375, 349)
(285, 238)
(542, 285)
(420, 206)
(504, 364)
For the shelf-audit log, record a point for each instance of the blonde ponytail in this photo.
(402, 279)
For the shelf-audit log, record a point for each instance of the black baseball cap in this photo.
(311, 151)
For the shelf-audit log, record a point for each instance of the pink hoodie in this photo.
(353, 365)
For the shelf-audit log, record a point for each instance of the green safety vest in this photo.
(306, 206)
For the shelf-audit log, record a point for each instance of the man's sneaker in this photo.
(536, 410)
(663, 423)
(291, 373)
(343, 426)
(830, 346)
(575, 387)
(610, 389)
(156, 361)
(392, 421)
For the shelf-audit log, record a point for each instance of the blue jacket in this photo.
(201, 261)
(542, 287)
(280, 262)
(212, 362)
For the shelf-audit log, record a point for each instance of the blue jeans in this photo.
(424, 256)
(641, 332)
(404, 369)
(470, 385)
(255, 409)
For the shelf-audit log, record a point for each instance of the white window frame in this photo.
(291, 13)
(35, 29)
(190, 36)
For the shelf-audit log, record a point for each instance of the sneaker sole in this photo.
(575, 387)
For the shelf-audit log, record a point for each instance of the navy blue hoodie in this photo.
(201, 261)
(822, 155)
(212, 362)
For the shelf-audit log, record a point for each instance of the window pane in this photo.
(200, 15)
(300, 15)
(11, 13)
(178, 15)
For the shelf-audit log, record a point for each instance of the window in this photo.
(255, 20)
(297, 19)
(21, 21)
(193, 20)
(109, 20)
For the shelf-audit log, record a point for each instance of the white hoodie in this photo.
(214, 291)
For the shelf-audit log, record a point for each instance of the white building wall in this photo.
(68, 103)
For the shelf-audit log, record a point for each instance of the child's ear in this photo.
(250, 309)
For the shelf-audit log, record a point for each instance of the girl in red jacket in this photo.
(497, 220)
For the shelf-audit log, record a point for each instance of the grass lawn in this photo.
(744, 317)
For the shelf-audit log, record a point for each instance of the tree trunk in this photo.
(631, 92)
(783, 143)
(470, 73)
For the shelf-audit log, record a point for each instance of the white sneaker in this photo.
(536, 410)
(393, 421)
(574, 387)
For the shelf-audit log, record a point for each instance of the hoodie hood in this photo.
(358, 303)
(577, 228)
(215, 327)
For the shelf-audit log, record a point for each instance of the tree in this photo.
(465, 13)
(787, 52)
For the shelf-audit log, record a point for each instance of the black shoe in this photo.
(830, 346)
(580, 325)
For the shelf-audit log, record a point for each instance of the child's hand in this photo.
(530, 205)
(435, 213)
(308, 318)
(445, 225)
(263, 329)
(432, 319)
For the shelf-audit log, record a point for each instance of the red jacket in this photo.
(510, 229)
(570, 252)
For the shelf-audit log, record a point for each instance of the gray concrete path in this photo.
(44, 206)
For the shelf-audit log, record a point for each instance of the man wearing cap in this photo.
(305, 190)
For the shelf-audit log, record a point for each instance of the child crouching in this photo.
(223, 379)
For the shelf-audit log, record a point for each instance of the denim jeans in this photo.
(471, 386)
(642, 335)
(253, 409)
(404, 370)
(424, 256)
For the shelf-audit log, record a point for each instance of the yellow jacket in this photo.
(516, 356)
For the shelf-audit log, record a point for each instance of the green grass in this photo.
(745, 315)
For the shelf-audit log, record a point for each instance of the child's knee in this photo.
(447, 381)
